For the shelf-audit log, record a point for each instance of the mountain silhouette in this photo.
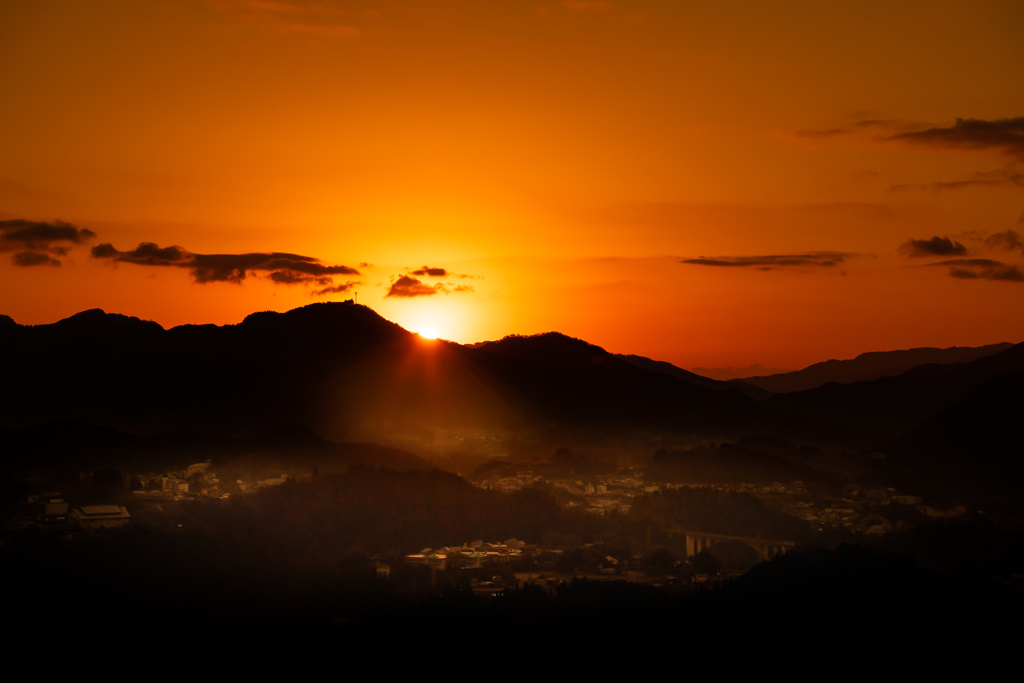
(339, 372)
(693, 378)
(868, 366)
(884, 409)
(338, 369)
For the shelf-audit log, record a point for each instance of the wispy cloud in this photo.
(33, 258)
(1004, 177)
(877, 128)
(826, 259)
(976, 267)
(1004, 135)
(1007, 241)
(437, 271)
(448, 288)
(935, 246)
(280, 267)
(427, 271)
(982, 269)
(407, 286)
(39, 243)
(1001, 135)
(337, 289)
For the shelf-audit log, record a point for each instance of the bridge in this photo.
(696, 541)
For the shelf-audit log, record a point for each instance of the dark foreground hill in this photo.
(60, 450)
(340, 370)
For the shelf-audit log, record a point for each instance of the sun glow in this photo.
(453, 317)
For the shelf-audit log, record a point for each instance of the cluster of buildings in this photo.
(180, 485)
(197, 481)
(856, 510)
(599, 494)
(92, 517)
(49, 511)
(472, 555)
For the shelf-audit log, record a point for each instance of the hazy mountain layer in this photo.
(884, 409)
(868, 366)
(693, 378)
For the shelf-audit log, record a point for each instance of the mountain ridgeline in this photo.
(340, 370)
(344, 373)
(866, 367)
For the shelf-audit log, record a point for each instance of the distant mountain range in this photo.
(884, 408)
(867, 366)
(693, 378)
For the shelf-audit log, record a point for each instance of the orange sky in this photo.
(712, 184)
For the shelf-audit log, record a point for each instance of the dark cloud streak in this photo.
(407, 287)
(1008, 241)
(146, 254)
(282, 267)
(1006, 135)
(999, 178)
(26, 259)
(430, 272)
(23, 234)
(863, 126)
(936, 246)
(336, 289)
(39, 242)
(982, 269)
(824, 259)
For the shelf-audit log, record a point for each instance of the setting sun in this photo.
(428, 333)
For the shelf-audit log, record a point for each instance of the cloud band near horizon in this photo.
(38, 243)
(824, 259)
(281, 267)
